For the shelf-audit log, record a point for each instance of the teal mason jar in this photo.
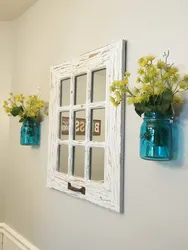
(30, 133)
(156, 137)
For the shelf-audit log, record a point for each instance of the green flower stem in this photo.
(132, 95)
(175, 92)
(180, 91)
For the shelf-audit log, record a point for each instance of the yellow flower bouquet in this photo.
(159, 85)
(30, 108)
(30, 111)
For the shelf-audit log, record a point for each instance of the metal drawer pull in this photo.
(82, 190)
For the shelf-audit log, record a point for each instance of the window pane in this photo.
(97, 164)
(63, 159)
(79, 125)
(64, 125)
(79, 161)
(98, 125)
(80, 89)
(65, 92)
(99, 86)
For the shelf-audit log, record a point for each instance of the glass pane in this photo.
(99, 86)
(63, 159)
(64, 125)
(79, 159)
(65, 92)
(79, 125)
(97, 164)
(80, 89)
(98, 125)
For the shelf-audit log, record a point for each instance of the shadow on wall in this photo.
(180, 132)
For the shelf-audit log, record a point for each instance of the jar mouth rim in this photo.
(30, 122)
(157, 115)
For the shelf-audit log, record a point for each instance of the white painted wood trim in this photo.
(83, 143)
(110, 193)
(93, 105)
(16, 238)
(1, 241)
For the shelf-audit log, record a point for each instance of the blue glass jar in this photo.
(156, 137)
(30, 133)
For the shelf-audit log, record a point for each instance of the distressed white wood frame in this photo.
(108, 194)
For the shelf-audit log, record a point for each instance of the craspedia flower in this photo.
(160, 64)
(183, 85)
(177, 99)
(127, 74)
(185, 78)
(138, 99)
(150, 58)
(143, 61)
(140, 71)
(112, 99)
(138, 79)
(130, 100)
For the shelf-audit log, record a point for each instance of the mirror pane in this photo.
(99, 86)
(65, 93)
(80, 89)
(79, 161)
(63, 159)
(79, 125)
(97, 164)
(98, 125)
(64, 126)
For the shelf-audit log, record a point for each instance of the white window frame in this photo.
(108, 194)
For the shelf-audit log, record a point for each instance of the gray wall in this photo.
(5, 86)
(156, 196)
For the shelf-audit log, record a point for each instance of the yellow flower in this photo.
(7, 110)
(143, 61)
(30, 108)
(150, 58)
(136, 90)
(130, 100)
(173, 70)
(138, 99)
(160, 64)
(138, 80)
(127, 74)
(165, 76)
(157, 92)
(124, 82)
(183, 85)
(177, 99)
(112, 88)
(186, 78)
(147, 87)
(113, 101)
(154, 78)
(140, 71)
(118, 97)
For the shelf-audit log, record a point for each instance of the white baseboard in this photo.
(16, 238)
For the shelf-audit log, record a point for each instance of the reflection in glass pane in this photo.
(98, 125)
(99, 86)
(64, 126)
(79, 125)
(79, 161)
(80, 89)
(63, 159)
(65, 92)
(97, 164)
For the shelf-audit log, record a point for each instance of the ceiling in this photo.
(11, 9)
